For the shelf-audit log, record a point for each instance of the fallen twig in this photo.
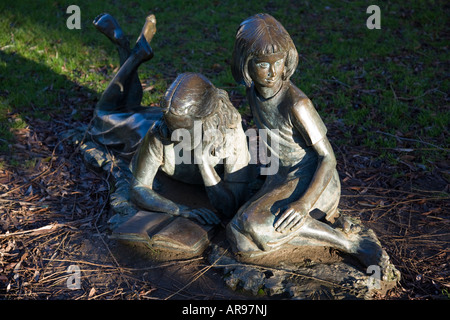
(412, 140)
(33, 232)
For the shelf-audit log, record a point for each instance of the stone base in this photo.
(308, 271)
(338, 278)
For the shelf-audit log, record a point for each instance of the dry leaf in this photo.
(92, 292)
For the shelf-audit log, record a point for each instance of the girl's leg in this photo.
(256, 218)
(108, 25)
(256, 222)
(125, 90)
(251, 232)
(134, 96)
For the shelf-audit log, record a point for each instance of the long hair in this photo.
(259, 35)
(193, 97)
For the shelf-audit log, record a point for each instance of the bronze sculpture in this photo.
(196, 136)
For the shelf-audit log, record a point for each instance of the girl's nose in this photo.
(272, 72)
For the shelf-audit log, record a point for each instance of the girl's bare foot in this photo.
(142, 48)
(109, 26)
(149, 29)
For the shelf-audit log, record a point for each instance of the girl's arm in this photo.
(145, 165)
(228, 194)
(324, 172)
(218, 193)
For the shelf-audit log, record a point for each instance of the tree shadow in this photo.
(42, 182)
(37, 108)
(33, 94)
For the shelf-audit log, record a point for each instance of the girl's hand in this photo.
(291, 218)
(206, 156)
(201, 215)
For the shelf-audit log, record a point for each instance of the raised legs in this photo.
(125, 90)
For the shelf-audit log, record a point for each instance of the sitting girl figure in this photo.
(288, 209)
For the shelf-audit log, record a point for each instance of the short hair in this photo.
(258, 35)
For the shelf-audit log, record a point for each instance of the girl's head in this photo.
(192, 97)
(257, 38)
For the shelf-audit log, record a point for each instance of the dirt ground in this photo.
(54, 212)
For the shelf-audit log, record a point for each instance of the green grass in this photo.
(393, 80)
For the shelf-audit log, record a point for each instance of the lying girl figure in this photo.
(218, 158)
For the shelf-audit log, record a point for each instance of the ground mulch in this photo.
(53, 214)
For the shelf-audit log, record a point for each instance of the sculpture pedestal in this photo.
(334, 281)
(307, 272)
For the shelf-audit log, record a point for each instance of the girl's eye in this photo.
(263, 65)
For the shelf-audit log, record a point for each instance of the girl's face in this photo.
(267, 71)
